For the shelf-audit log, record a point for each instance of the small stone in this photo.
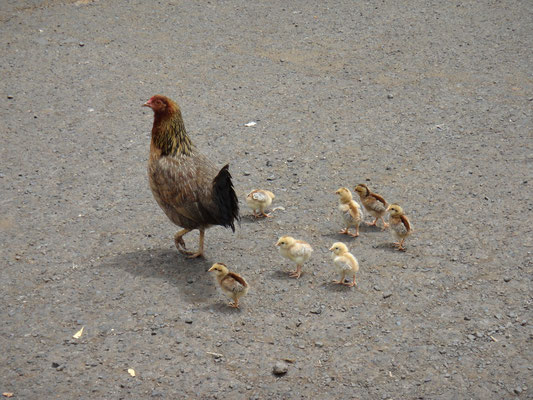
(507, 279)
(387, 295)
(467, 318)
(280, 368)
(390, 96)
(518, 390)
(81, 44)
(188, 320)
(471, 337)
(10, 97)
(479, 335)
(156, 394)
(55, 365)
(377, 288)
(319, 344)
(246, 173)
(190, 280)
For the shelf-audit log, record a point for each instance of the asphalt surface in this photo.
(427, 102)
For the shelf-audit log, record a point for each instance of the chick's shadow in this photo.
(190, 276)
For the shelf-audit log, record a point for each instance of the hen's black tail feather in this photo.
(225, 198)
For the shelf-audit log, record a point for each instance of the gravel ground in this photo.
(428, 102)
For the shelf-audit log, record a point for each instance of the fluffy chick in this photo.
(345, 262)
(295, 250)
(232, 285)
(350, 210)
(259, 199)
(373, 203)
(401, 227)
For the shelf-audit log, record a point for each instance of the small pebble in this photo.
(188, 320)
(387, 295)
(507, 279)
(10, 97)
(280, 368)
(390, 96)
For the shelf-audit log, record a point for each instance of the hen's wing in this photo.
(190, 187)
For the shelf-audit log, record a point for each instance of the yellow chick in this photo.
(351, 212)
(373, 203)
(401, 227)
(295, 250)
(259, 199)
(345, 262)
(232, 285)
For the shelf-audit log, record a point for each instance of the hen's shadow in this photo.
(189, 275)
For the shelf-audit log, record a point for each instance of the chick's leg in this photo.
(235, 303)
(385, 225)
(341, 281)
(354, 283)
(356, 232)
(296, 274)
(373, 223)
(200, 252)
(344, 231)
(400, 245)
(179, 242)
(263, 214)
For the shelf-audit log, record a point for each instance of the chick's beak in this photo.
(211, 269)
(331, 248)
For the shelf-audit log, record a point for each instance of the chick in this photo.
(295, 250)
(345, 262)
(232, 285)
(373, 203)
(351, 212)
(259, 199)
(401, 227)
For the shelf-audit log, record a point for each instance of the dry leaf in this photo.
(131, 371)
(77, 335)
(7, 394)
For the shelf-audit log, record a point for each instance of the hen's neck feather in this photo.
(169, 134)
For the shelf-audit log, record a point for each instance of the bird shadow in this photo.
(387, 246)
(281, 275)
(222, 307)
(335, 287)
(250, 219)
(190, 276)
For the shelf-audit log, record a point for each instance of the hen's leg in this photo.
(179, 242)
(200, 252)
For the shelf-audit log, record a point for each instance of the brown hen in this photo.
(192, 192)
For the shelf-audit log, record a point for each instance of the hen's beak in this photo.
(147, 104)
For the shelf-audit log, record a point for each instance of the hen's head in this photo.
(161, 104)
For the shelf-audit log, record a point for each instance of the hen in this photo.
(192, 192)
